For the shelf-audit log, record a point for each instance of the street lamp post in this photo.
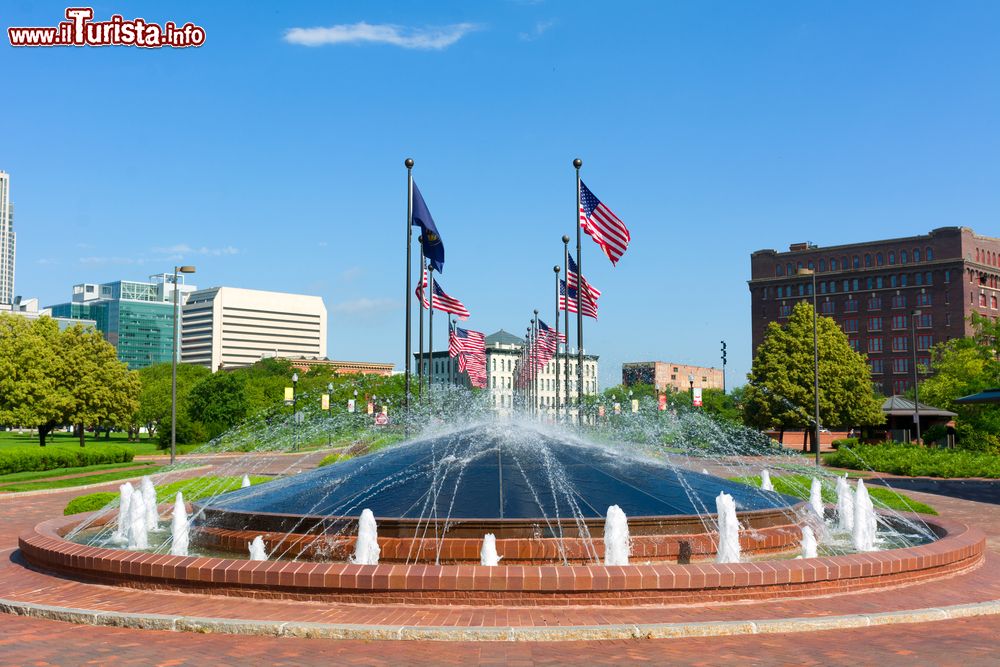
(811, 272)
(691, 387)
(329, 433)
(295, 412)
(916, 388)
(173, 369)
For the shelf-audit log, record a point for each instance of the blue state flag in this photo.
(433, 247)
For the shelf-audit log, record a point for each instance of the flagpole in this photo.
(409, 236)
(535, 369)
(577, 163)
(423, 295)
(430, 320)
(565, 240)
(555, 270)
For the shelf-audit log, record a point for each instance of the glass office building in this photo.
(135, 317)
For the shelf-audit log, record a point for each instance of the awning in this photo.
(986, 396)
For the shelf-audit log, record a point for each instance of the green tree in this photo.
(30, 391)
(154, 398)
(964, 366)
(103, 391)
(219, 402)
(722, 405)
(780, 390)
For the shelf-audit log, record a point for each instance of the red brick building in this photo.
(873, 289)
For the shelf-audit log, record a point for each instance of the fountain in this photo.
(246, 482)
(845, 505)
(809, 546)
(488, 554)
(617, 543)
(179, 528)
(257, 550)
(865, 520)
(149, 500)
(125, 492)
(765, 481)
(816, 497)
(138, 537)
(729, 530)
(366, 550)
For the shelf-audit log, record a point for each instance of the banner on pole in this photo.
(635, 405)
(371, 408)
(662, 404)
(696, 402)
(618, 408)
(289, 395)
(325, 401)
(350, 405)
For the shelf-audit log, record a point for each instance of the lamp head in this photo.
(295, 377)
(185, 269)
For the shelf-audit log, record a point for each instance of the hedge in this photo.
(193, 489)
(916, 461)
(39, 459)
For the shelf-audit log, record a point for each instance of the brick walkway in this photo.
(32, 641)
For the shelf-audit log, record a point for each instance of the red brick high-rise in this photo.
(872, 289)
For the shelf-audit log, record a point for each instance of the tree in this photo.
(219, 401)
(30, 391)
(154, 398)
(723, 406)
(102, 390)
(780, 390)
(964, 366)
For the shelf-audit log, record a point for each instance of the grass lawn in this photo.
(99, 478)
(145, 446)
(59, 472)
(798, 487)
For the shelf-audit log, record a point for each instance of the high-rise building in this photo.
(136, 317)
(8, 241)
(503, 359)
(28, 309)
(877, 290)
(663, 374)
(230, 327)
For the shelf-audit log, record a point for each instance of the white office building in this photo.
(8, 241)
(503, 358)
(230, 327)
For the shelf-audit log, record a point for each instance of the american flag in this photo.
(606, 228)
(475, 365)
(589, 304)
(571, 275)
(441, 300)
(466, 341)
(545, 345)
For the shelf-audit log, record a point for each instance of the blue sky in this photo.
(712, 129)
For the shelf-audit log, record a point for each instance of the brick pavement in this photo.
(966, 642)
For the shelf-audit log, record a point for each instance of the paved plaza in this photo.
(40, 641)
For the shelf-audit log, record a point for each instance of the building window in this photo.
(903, 278)
(901, 365)
(779, 270)
(900, 386)
(811, 266)
(875, 303)
(802, 289)
(851, 306)
(982, 299)
(903, 257)
(892, 281)
(851, 325)
(798, 266)
(898, 322)
(826, 308)
(876, 366)
(878, 282)
(925, 342)
(785, 310)
(868, 259)
(855, 344)
(847, 286)
(833, 263)
(928, 278)
(875, 323)
(854, 284)
(822, 265)
(993, 301)
(918, 278)
(916, 254)
(925, 320)
(856, 262)
(869, 283)
(874, 345)
(929, 254)
(879, 259)
(788, 269)
(900, 343)
(923, 299)
(892, 258)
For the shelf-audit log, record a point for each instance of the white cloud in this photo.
(541, 27)
(351, 274)
(431, 38)
(112, 260)
(182, 249)
(364, 306)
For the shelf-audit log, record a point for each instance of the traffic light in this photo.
(723, 353)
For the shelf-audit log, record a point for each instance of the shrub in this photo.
(193, 489)
(844, 442)
(39, 459)
(916, 461)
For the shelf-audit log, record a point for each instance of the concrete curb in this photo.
(501, 633)
(66, 489)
